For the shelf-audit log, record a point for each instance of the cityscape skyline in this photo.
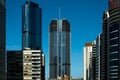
(107, 54)
(11, 42)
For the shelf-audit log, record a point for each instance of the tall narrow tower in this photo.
(87, 50)
(33, 57)
(114, 40)
(31, 26)
(104, 48)
(2, 38)
(59, 49)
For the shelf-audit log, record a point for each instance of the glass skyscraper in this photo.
(59, 49)
(114, 40)
(31, 26)
(104, 46)
(33, 57)
(2, 38)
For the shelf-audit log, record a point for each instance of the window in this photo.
(114, 41)
(114, 49)
(114, 27)
(113, 35)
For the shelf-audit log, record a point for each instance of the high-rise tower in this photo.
(2, 38)
(114, 40)
(59, 49)
(33, 57)
(87, 60)
(104, 48)
(31, 26)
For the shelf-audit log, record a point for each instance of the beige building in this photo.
(32, 64)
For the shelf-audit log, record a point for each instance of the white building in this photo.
(87, 52)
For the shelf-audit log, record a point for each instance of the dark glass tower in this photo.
(98, 55)
(114, 40)
(2, 38)
(59, 48)
(31, 26)
(93, 63)
(14, 65)
(104, 48)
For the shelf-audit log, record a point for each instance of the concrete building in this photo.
(87, 53)
(33, 65)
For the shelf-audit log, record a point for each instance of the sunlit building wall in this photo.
(33, 65)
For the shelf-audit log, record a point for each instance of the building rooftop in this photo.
(88, 44)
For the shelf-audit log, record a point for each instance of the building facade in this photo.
(98, 58)
(2, 39)
(114, 40)
(33, 57)
(14, 65)
(104, 48)
(59, 49)
(33, 65)
(93, 61)
(87, 53)
(31, 26)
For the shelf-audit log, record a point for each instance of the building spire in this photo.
(59, 13)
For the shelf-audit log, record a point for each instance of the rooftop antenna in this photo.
(59, 13)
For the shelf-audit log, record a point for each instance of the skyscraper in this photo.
(87, 52)
(104, 48)
(2, 38)
(98, 58)
(114, 40)
(93, 62)
(59, 49)
(33, 65)
(33, 57)
(14, 65)
(31, 26)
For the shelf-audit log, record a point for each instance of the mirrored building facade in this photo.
(31, 26)
(59, 49)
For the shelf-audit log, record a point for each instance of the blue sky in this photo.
(85, 17)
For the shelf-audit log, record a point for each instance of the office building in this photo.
(33, 57)
(93, 62)
(114, 40)
(33, 64)
(104, 48)
(87, 53)
(31, 26)
(2, 39)
(59, 49)
(98, 58)
(43, 66)
(14, 65)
